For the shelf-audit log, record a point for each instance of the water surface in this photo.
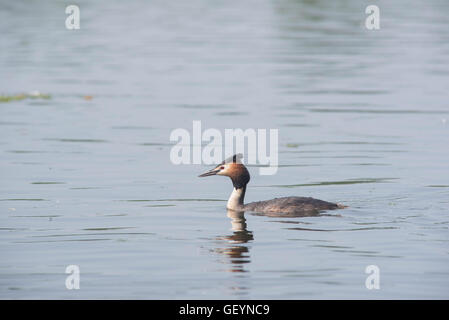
(86, 178)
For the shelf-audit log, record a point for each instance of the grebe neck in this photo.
(236, 199)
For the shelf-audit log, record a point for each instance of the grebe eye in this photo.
(221, 168)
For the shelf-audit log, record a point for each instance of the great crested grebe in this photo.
(295, 206)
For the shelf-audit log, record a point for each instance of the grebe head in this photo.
(232, 168)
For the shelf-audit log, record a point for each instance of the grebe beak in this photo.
(212, 172)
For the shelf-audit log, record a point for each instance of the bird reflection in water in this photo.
(237, 250)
